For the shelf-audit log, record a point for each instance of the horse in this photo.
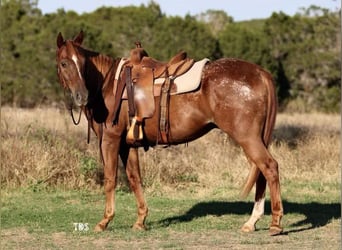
(235, 96)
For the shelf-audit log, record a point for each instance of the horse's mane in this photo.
(100, 69)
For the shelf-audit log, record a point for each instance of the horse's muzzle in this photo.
(80, 98)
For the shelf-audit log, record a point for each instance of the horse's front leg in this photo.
(110, 152)
(130, 158)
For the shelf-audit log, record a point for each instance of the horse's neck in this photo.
(102, 63)
(98, 70)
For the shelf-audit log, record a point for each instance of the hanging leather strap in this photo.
(164, 124)
(164, 110)
(130, 92)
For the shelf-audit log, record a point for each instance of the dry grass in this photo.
(306, 146)
(42, 147)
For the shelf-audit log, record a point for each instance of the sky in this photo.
(240, 10)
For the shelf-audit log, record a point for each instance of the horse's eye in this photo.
(63, 64)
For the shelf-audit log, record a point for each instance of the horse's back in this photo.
(232, 69)
(235, 79)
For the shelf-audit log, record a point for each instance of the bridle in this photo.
(69, 105)
(87, 111)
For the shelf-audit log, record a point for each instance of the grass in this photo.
(42, 147)
(51, 179)
(36, 220)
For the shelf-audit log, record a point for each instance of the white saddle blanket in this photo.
(189, 81)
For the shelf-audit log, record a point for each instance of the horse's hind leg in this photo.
(259, 155)
(130, 159)
(259, 205)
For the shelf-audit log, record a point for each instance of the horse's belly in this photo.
(188, 119)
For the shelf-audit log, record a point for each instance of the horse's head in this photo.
(71, 67)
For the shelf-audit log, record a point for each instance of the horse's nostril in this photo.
(78, 97)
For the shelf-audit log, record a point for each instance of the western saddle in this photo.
(140, 71)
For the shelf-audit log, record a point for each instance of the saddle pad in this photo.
(119, 68)
(187, 82)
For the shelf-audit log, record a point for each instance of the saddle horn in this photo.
(137, 54)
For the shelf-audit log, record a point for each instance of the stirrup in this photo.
(135, 132)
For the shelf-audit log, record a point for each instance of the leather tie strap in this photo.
(164, 110)
(130, 92)
(164, 124)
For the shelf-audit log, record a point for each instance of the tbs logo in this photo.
(81, 226)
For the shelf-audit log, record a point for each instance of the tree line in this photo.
(302, 52)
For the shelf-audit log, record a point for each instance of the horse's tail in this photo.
(271, 114)
(272, 108)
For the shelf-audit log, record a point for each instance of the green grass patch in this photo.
(45, 219)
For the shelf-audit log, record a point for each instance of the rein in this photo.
(70, 108)
(88, 108)
(73, 118)
(87, 114)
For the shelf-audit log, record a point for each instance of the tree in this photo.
(173, 34)
(20, 70)
(215, 19)
(302, 51)
(308, 48)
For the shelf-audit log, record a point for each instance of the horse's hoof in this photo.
(247, 228)
(138, 226)
(275, 230)
(99, 228)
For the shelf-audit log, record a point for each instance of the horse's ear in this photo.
(79, 38)
(60, 40)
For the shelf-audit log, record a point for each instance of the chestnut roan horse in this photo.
(235, 96)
